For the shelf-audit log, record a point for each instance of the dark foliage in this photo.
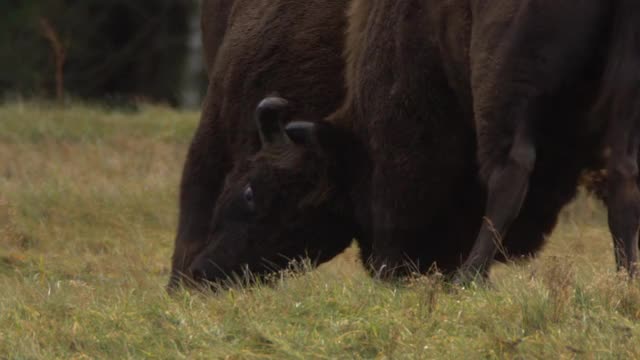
(113, 48)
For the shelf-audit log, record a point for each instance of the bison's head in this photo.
(285, 202)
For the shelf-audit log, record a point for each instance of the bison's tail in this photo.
(620, 96)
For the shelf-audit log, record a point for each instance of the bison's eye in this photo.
(248, 198)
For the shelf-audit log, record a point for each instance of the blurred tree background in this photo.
(101, 49)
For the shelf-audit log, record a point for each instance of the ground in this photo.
(87, 218)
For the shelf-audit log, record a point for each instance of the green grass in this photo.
(87, 219)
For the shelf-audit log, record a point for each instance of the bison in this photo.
(254, 48)
(535, 81)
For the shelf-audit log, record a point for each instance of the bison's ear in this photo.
(321, 136)
(271, 114)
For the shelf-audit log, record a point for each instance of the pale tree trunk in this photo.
(191, 92)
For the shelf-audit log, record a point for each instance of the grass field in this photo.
(87, 219)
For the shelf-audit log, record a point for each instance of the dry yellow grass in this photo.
(87, 219)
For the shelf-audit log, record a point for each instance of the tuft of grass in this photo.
(87, 219)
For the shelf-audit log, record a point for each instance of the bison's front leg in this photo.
(523, 59)
(621, 92)
(507, 189)
(623, 199)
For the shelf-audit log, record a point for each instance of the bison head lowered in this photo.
(285, 202)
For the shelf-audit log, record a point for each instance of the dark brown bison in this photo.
(534, 83)
(254, 48)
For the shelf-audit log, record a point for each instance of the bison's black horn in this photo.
(271, 114)
(302, 132)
